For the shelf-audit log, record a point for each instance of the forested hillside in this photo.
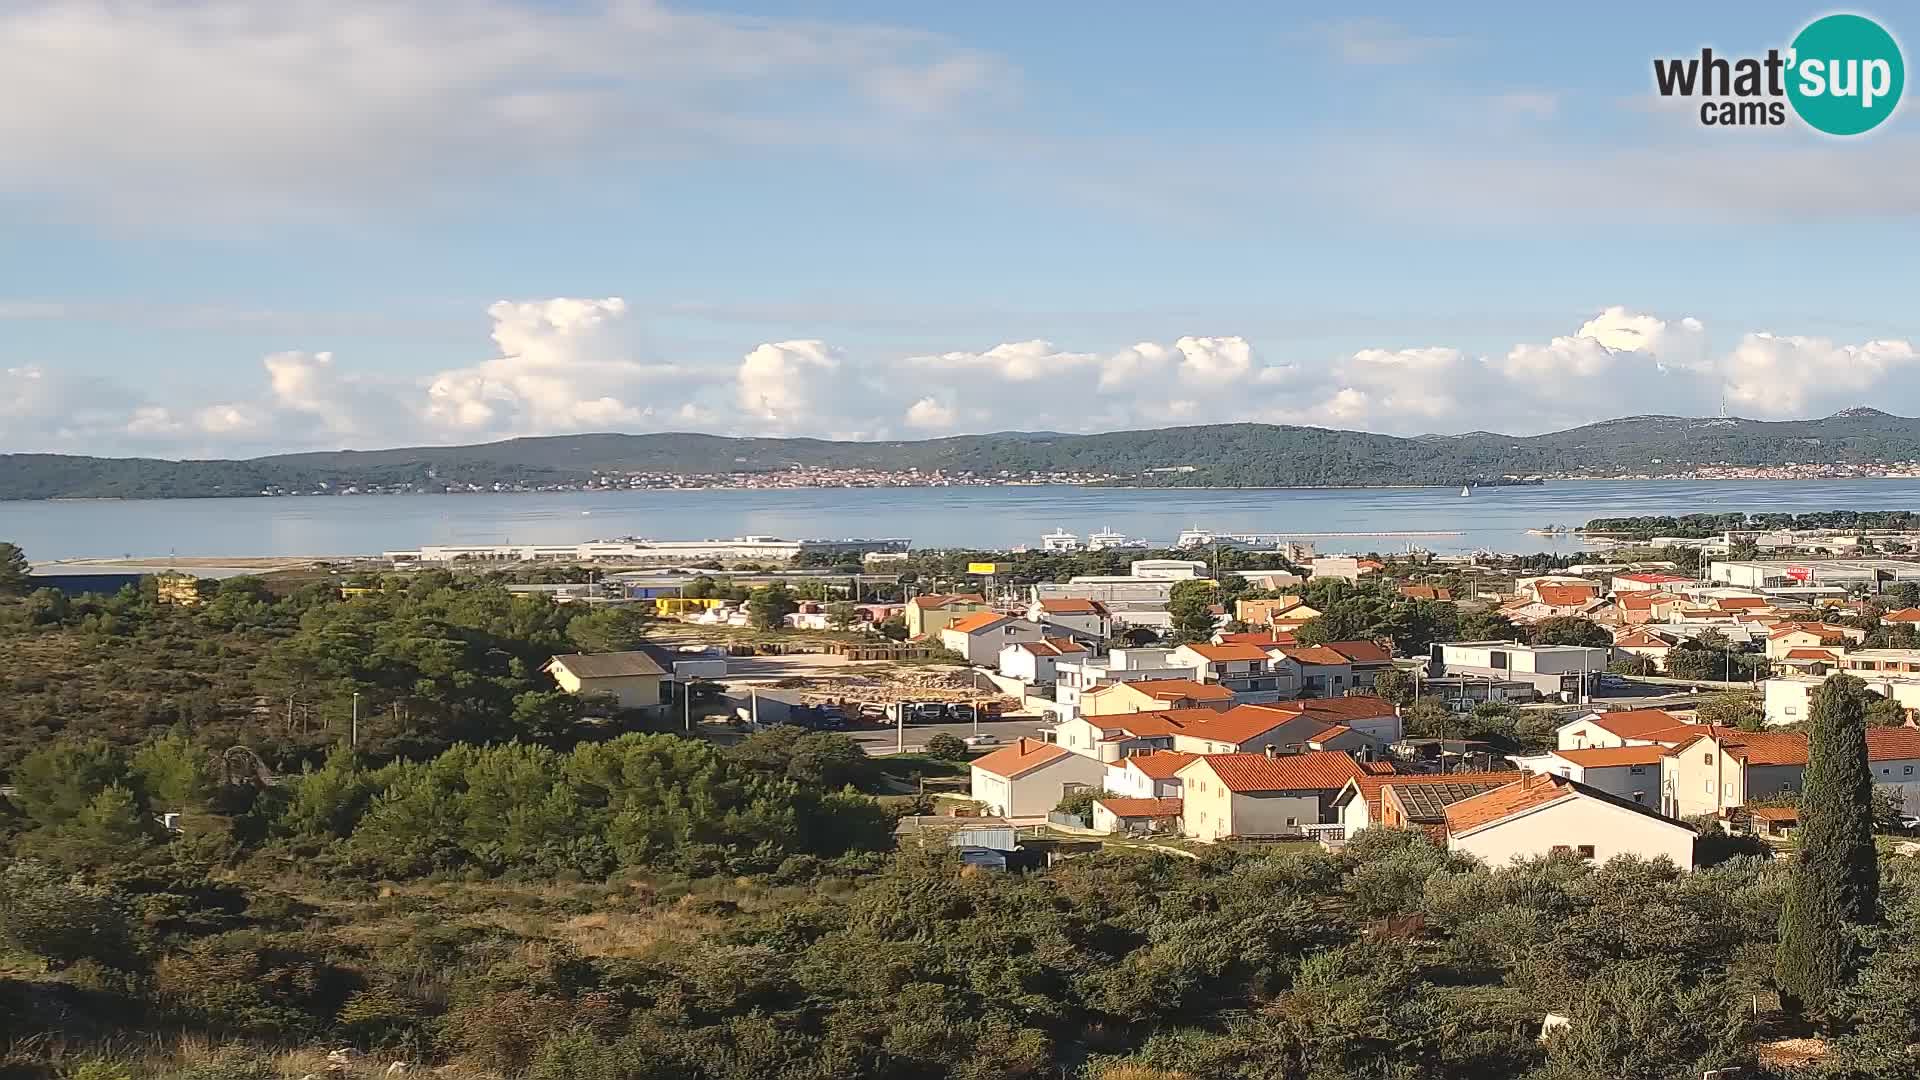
(1221, 455)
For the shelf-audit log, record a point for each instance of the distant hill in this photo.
(1220, 455)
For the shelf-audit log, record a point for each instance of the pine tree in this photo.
(1836, 872)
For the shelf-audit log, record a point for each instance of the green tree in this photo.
(894, 628)
(1730, 710)
(770, 605)
(842, 615)
(1634, 666)
(171, 774)
(53, 784)
(610, 629)
(1080, 803)
(947, 747)
(111, 828)
(1190, 604)
(1571, 630)
(1835, 883)
(1429, 719)
(1883, 711)
(61, 919)
(1394, 684)
(14, 570)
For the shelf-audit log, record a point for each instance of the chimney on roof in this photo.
(1273, 751)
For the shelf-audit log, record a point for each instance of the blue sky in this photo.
(241, 227)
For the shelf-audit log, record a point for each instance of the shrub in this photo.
(947, 747)
(58, 918)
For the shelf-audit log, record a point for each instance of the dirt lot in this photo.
(821, 678)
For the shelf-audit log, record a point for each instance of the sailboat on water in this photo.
(1465, 491)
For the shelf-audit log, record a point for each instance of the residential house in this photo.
(1635, 608)
(1868, 662)
(1551, 669)
(1250, 795)
(1152, 695)
(1543, 814)
(1622, 727)
(1117, 814)
(1275, 728)
(1360, 804)
(1131, 600)
(1789, 636)
(930, 614)
(1723, 767)
(1319, 671)
(1638, 641)
(1628, 772)
(1121, 665)
(1245, 669)
(1345, 567)
(1909, 616)
(1790, 697)
(1116, 737)
(1286, 612)
(1148, 775)
(1426, 592)
(1365, 659)
(1034, 662)
(1546, 599)
(1073, 616)
(633, 679)
(1029, 778)
(1424, 806)
(1264, 637)
(980, 637)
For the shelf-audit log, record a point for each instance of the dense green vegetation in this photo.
(1221, 455)
(1702, 526)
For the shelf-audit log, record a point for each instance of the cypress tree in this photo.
(1836, 872)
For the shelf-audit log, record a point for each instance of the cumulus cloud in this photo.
(578, 364)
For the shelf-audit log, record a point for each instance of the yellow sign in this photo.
(980, 568)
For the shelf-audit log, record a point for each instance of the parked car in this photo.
(961, 713)
(982, 739)
(929, 712)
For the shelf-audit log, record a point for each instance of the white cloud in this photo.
(576, 364)
(236, 105)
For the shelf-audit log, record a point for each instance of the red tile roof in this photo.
(1425, 592)
(1161, 765)
(1361, 652)
(1735, 603)
(1316, 770)
(1827, 655)
(1774, 813)
(1175, 689)
(1228, 653)
(1904, 615)
(978, 621)
(1314, 655)
(1258, 637)
(1052, 647)
(1367, 787)
(1633, 723)
(936, 600)
(1073, 606)
(1533, 790)
(1326, 733)
(1021, 758)
(1606, 756)
(1241, 723)
(1652, 579)
(1377, 768)
(1149, 725)
(1566, 595)
(1151, 808)
(1641, 639)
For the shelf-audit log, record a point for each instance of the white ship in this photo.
(1060, 540)
(1108, 538)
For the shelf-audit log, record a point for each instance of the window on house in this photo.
(1561, 849)
(1636, 770)
(1906, 770)
(1586, 851)
(1709, 787)
(1706, 759)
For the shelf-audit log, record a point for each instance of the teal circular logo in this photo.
(1845, 74)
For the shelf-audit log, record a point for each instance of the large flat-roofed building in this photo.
(1872, 574)
(1550, 669)
(740, 547)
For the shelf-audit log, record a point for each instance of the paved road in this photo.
(878, 741)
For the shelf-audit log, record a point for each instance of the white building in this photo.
(1770, 574)
(1551, 669)
(1545, 814)
(1033, 662)
(1148, 776)
(1789, 698)
(1120, 665)
(1073, 616)
(1628, 772)
(1029, 778)
(981, 636)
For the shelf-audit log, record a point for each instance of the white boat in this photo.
(1194, 537)
(1108, 538)
(1060, 540)
(1465, 491)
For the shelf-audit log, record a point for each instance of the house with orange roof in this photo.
(1544, 814)
(1114, 738)
(1809, 661)
(1244, 668)
(928, 615)
(1909, 616)
(1266, 636)
(1647, 581)
(1628, 772)
(980, 637)
(1154, 695)
(1643, 643)
(1721, 768)
(1424, 806)
(1148, 775)
(1287, 610)
(1028, 778)
(1437, 593)
(1620, 727)
(1634, 608)
(1033, 662)
(1317, 670)
(1285, 727)
(1137, 817)
(1073, 616)
(1788, 636)
(1360, 803)
(1259, 795)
